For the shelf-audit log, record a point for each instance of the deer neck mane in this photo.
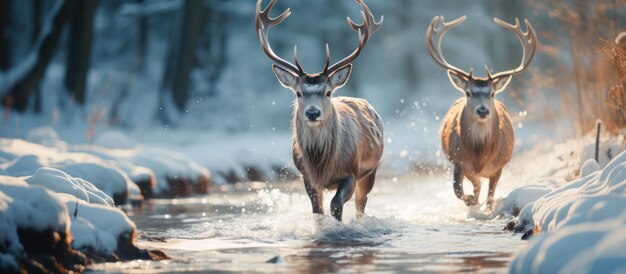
(319, 147)
(477, 135)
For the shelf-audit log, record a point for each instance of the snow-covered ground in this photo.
(576, 205)
(51, 210)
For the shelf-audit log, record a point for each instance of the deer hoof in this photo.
(470, 200)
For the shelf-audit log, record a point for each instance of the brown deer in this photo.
(337, 142)
(476, 134)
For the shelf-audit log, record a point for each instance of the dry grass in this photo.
(590, 81)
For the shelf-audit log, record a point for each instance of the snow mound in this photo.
(583, 222)
(113, 139)
(78, 215)
(45, 136)
(26, 207)
(146, 162)
(26, 158)
(97, 226)
(522, 196)
(588, 167)
(61, 182)
(34, 207)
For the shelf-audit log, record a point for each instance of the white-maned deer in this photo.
(476, 134)
(337, 142)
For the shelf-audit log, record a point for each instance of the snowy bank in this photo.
(582, 224)
(175, 174)
(24, 158)
(121, 171)
(549, 165)
(44, 230)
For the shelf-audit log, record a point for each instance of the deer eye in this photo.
(298, 94)
(468, 94)
(328, 94)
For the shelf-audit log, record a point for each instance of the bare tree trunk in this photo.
(186, 52)
(5, 21)
(37, 8)
(216, 49)
(180, 59)
(27, 75)
(79, 49)
(143, 37)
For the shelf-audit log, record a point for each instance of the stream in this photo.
(412, 224)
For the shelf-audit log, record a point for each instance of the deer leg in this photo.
(471, 200)
(458, 182)
(363, 187)
(316, 197)
(493, 182)
(344, 193)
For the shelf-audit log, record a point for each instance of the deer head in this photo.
(313, 91)
(480, 91)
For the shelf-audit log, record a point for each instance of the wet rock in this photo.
(530, 233)
(258, 174)
(147, 187)
(275, 260)
(185, 187)
(152, 238)
(48, 251)
(126, 250)
(510, 226)
(120, 198)
(254, 174)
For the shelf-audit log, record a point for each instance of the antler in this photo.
(365, 30)
(263, 24)
(528, 39)
(438, 28)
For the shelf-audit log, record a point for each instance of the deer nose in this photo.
(312, 114)
(483, 112)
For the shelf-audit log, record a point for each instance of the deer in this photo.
(337, 141)
(477, 135)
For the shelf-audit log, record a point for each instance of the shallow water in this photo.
(411, 225)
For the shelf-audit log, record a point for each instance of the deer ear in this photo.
(286, 78)
(339, 78)
(458, 81)
(500, 83)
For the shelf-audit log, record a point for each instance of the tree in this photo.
(26, 76)
(79, 49)
(181, 54)
(5, 21)
(213, 52)
(37, 8)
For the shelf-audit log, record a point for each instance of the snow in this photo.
(26, 204)
(23, 206)
(582, 225)
(34, 207)
(61, 182)
(8, 234)
(548, 165)
(97, 226)
(589, 166)
(25, 158)
(149, 162)
(45, 136)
